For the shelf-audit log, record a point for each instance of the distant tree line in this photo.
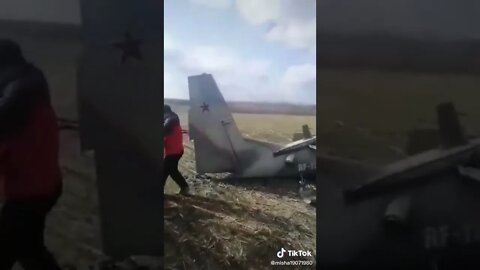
(260, 107)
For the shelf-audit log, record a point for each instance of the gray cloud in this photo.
(240, 79)
(292, 21)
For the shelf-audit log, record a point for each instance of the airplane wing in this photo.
(120, 104)
(469, 172)
(455, 150)
(412, 168)
(295, 146)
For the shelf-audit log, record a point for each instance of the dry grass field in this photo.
(272, 127)
(379, 108)
(73, 227)
(220, 227)
(268, 127)
(227, 227)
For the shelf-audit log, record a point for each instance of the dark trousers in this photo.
(22, 226)
(170, 168)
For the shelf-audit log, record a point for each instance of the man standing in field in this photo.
(173, 149)
(30, 174)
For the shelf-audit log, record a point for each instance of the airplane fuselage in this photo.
(438, 224)
(258, 160)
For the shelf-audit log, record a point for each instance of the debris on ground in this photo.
(219, 227)
(223, 226)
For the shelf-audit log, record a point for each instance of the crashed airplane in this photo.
(220, 147)
(418, 213)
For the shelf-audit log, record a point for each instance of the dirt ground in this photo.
(224, 226)
(220, 226)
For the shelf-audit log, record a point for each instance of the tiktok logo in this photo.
(281, 253)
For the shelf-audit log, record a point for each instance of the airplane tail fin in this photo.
(212, 127)
(306, 134)
(451, 133)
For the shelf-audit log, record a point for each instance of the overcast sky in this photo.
(265, 49)
(256, 50)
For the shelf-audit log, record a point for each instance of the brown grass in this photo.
(234, 228)
(227, 227)
(222, 226)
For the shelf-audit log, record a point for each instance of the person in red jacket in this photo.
(173, 149)
(29, 170)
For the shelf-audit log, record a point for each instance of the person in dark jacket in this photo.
(173, 149)
(29, 170)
